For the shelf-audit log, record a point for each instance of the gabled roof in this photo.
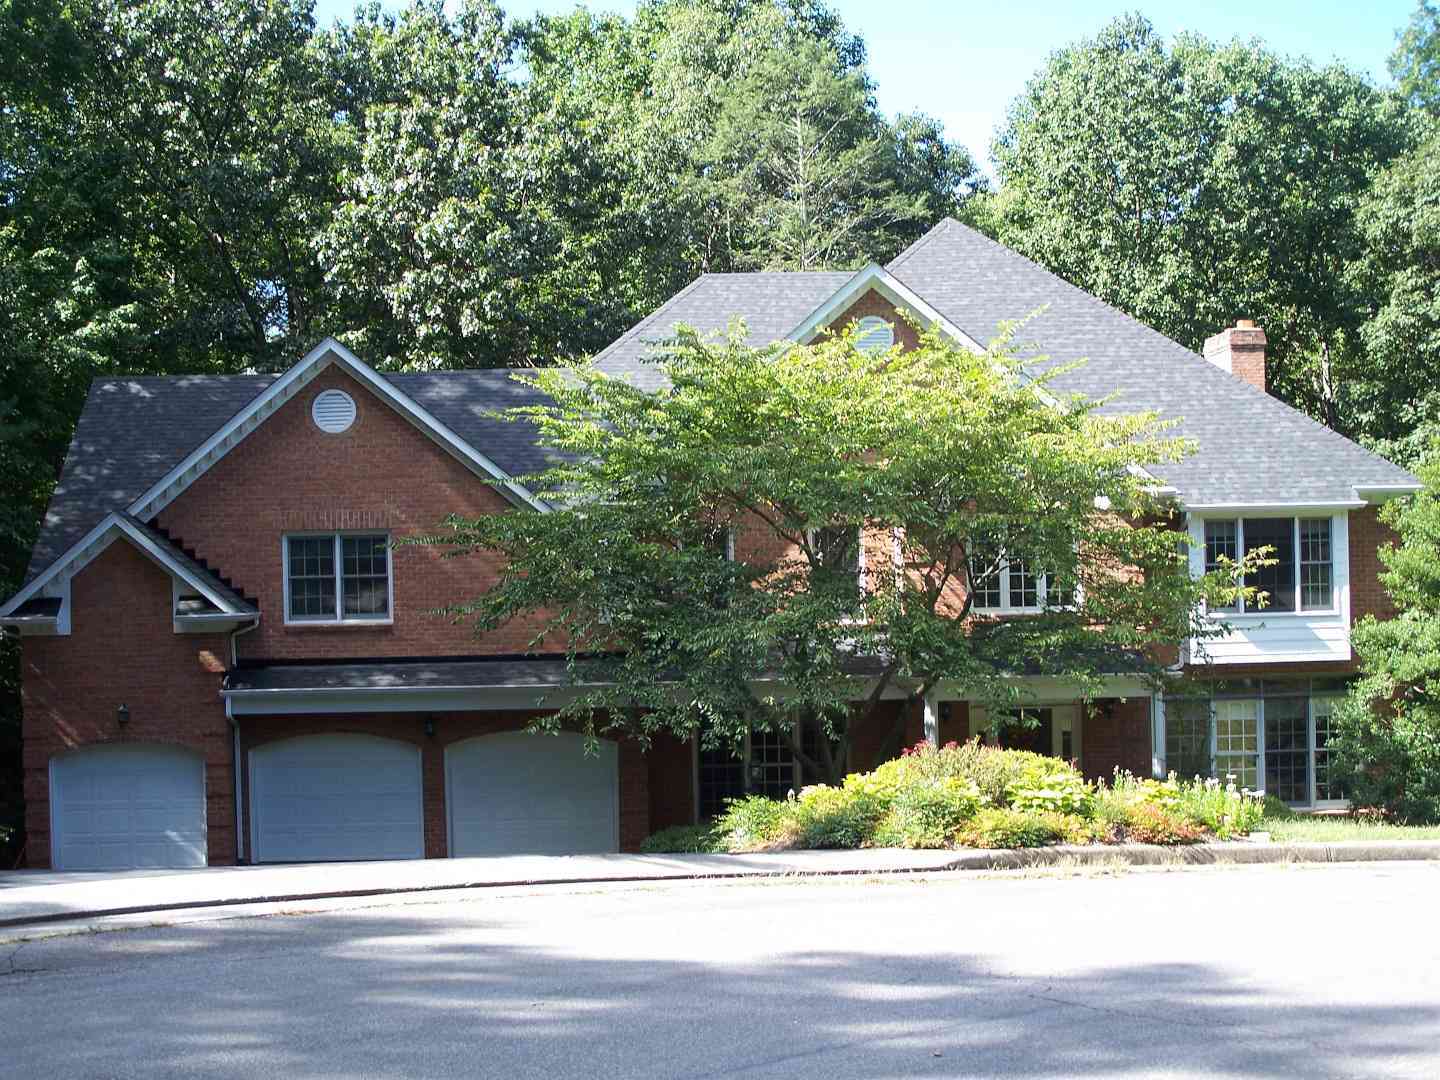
(136, 435)
(1254, 450)
(154, 545)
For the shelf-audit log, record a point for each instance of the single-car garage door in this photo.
(331, 797)
(115, 807)
(518, 794)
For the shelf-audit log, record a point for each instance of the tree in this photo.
(1397, 405)
(937, 463)
(1190, 183)
(1387, 743)
(1415, 63)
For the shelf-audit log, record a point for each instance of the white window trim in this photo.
(812, 538)
(339, 618)
(1338, 525)
(1042, 592)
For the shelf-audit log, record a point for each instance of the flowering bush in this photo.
(927, 813)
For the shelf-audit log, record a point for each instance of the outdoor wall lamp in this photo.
(429, 726)
(122, 714)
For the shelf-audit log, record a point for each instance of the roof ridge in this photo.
(939, 228)
(644, 323)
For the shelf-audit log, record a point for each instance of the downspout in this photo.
(235, 757)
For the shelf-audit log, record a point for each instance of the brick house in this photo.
(225, 659)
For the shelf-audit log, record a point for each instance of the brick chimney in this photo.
(1240, 351)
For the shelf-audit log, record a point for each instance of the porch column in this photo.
(931, 705)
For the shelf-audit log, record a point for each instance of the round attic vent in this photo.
(333, 411)
(872, 334)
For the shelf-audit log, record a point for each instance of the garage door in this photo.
(531, 794)
(116, 807)
(332, 797)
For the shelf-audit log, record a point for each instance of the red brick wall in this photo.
(1367, 535)
(872, 303)
(954, 722)
(635, 771)
(289, 476)
(672, 782)
(1116, 733)
(122, 649)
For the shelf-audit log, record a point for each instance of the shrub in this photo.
(1049, 784)
(681, 839)
(1224, 810)
(1151, 824)
(1000, 827)
(830, 817)
(927, 813)
(756, 822)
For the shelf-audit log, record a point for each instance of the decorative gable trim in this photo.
(875, 277)
(55, 580)
(328, 352)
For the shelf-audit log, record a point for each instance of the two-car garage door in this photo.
(333, 797)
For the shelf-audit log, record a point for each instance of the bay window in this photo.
(1301, 575)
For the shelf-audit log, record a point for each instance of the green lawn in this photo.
(1337, 827)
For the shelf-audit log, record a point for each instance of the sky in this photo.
(964, 62)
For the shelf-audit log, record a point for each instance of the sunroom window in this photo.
(337, 577)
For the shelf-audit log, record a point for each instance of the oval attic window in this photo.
(873, 334)
(333, 411)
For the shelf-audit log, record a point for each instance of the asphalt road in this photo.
(1307, 971)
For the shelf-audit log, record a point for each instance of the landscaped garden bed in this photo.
(975, 796)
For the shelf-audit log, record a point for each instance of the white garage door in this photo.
(517, 793)
(331, 797)
(115, 807)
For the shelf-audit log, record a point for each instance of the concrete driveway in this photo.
(1234, 971)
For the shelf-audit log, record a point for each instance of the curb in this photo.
(1209, 854)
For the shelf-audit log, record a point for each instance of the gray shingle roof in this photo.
(1253, 448)
(771, 303)
(132, 431)
(411, 675)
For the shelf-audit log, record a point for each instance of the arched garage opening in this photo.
(523, 794)
(124, 806)
(320, 798)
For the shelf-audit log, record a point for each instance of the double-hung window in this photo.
(1301, 576)
(1003, 583)
(337, 578)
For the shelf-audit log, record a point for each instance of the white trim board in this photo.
(94, 543)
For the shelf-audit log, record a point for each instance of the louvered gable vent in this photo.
(333, 411)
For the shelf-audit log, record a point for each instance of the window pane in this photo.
(1323, 709)
(1222, 541)
(1024, 587)
(1187, 737)
(312, 577)
(1315, 563)
(1237, 749)
(772, 764)
(1287, 750)
(1057, 593)
(1277, 582)
(984, 577)
(722, 777)
(838, 547)
(365, 577)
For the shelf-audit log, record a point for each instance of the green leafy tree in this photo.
(1387, 745)
(933, 462)
(1189, 183)
(1415, 63)
(1397, 403)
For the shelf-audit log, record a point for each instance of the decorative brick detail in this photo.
(381, 473)
(122, 649)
